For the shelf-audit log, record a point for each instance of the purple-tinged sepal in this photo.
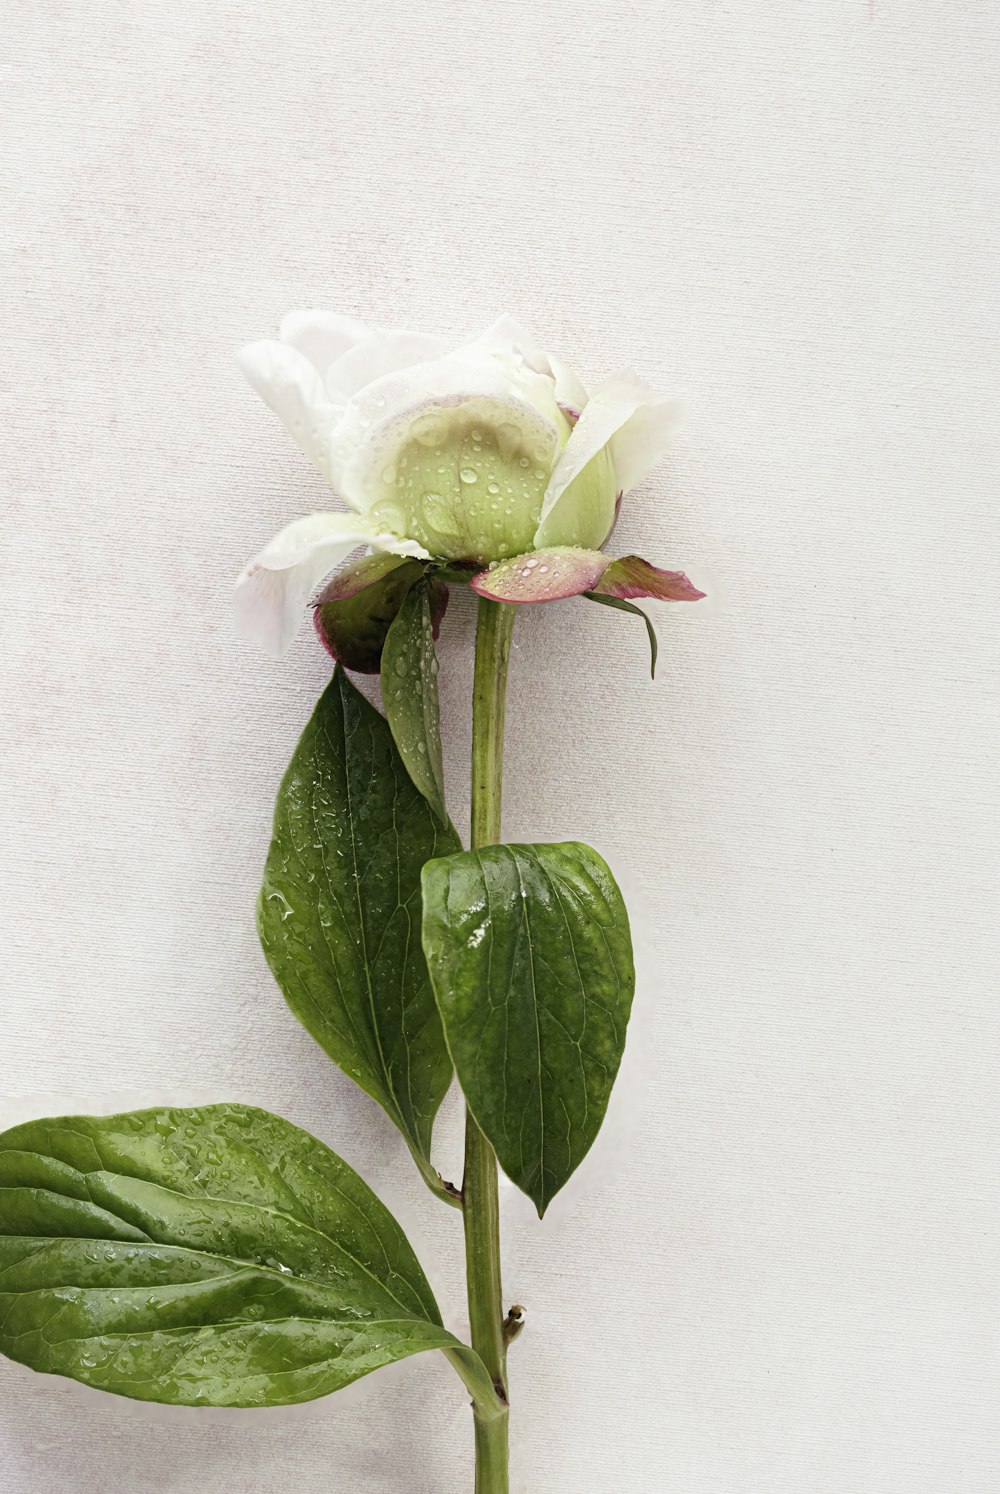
(542, 575)
(564, 571)
(631, 576)
(356, 610)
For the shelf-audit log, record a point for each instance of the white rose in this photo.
(489, 456)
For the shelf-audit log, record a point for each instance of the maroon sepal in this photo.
(355, 611)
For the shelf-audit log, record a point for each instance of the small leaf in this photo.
(356, 610)
(410, 696)
(622, 606)
(531, 958)
(217, 1256)
(339, 910)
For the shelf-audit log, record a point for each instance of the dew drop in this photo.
(469, 474)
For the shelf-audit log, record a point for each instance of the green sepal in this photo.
(410, 695)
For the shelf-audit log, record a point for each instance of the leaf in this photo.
(531, 958)
(217, 1256)
(410, 696)
(622, 606)
(339, 910)
(357, 608)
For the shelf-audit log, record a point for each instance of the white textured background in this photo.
(784, 1278)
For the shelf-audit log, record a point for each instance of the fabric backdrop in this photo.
(780, 1275)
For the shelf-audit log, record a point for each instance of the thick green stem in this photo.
(479, 1187)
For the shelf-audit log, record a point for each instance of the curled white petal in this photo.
(322, 336)
(274, 590)
(507, 335)
(289, 384)
(624, 415)
(377, 354)
(570, 393)
(643, 439)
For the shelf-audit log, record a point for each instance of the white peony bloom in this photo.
(485, 453)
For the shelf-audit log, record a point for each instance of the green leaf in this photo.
(339, 910)
(410, 695)
(217, 1256)
(621, 605)
(531, 958)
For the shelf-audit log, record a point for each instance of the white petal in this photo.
(510, 335)
(626, 415)
(507, 335)
(570, 393)
(274, 590)
(644, 439)
(516, 347)
(377, 354)
(322, 336)
(287, 382)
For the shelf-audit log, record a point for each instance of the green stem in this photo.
(479, 1187)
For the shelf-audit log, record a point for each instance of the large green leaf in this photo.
(217, 1256)
(531, 958)
(339, 911)
(410, 695)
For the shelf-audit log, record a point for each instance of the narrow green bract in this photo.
(531, 958)
(621, 605)
(217, 1256)
(339, 910)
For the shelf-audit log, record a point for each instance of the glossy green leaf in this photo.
(621, 605)
(531, 957)
(410, 695)
(217, 1256)
(339, 910)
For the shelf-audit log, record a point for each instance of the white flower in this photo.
(471, 455)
